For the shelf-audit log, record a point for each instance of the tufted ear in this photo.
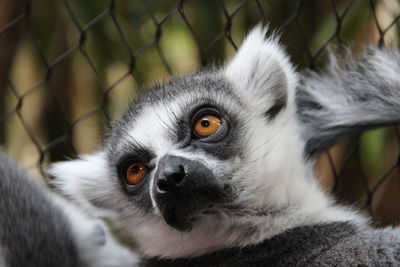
(81, 180)
(262, 74)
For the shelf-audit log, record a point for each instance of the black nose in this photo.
(171, 177)
(183, 187)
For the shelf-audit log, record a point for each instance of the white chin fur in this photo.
(75, 178)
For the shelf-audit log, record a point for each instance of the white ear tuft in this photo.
(77, 178)
(262, 70)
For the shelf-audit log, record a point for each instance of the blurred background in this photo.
(67, 67)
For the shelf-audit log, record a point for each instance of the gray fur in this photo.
(351, 95)
(2, 257)
(33, 232)
(335, 244)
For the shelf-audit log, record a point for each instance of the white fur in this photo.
(272, 172)
(96, 245)
(76, 177)
(73, 179)
(251, 67)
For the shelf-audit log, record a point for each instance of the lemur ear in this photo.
(262, 74)
(81, 179)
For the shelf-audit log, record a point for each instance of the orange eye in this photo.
(207, 125)
(135, 173)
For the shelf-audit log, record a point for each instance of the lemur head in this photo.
(197, 161)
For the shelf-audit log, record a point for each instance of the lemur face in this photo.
(175, 152)
(193, 159)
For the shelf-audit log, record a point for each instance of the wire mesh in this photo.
(67, 67)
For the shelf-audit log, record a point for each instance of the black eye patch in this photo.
(221, 144)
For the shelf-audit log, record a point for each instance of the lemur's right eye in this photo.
(135, 173)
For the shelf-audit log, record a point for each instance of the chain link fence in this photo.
(68, 66)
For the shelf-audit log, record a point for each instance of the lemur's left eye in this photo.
(136, 173)
(207, 125)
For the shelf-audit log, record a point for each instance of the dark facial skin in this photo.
(183, 187)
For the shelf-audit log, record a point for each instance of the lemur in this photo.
(216, 168)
